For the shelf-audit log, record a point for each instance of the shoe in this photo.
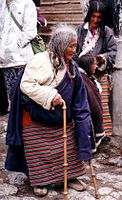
(77, 185)
(99, 138)
(94, 150)
(93, 144)
(5, 126)
(40, 191)
(107, 138)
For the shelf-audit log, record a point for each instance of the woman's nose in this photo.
(74, 49)
(96, 19)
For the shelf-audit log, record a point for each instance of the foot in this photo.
(77, 185)
(94, 150)
(107, 138)
(40, 191)
(99, 138)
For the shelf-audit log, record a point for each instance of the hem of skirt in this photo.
(49, 182)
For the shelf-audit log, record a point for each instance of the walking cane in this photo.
(65, 150)
(94, 180)
(65, 159)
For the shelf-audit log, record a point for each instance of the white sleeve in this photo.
(29, 30)
(32, 85)
(2, 15)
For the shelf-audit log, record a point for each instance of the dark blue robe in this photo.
(74, 93)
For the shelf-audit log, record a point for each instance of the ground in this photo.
(107, 164)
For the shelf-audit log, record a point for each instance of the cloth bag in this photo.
(37, 44)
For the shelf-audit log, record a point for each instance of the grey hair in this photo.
(60, 39)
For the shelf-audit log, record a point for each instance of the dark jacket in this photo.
(105, 45)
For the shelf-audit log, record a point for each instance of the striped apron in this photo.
(44, 152)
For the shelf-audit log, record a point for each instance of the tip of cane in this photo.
(97, 196)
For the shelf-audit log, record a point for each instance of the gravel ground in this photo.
(107, 164)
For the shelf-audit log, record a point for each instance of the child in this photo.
(88, 66)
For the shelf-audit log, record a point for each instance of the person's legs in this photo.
(11, 75)
(15, 159)
(3, 95)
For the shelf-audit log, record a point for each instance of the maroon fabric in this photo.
(95, 104)
(40, 18)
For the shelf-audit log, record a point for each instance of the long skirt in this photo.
(44, 154)
(107, 121)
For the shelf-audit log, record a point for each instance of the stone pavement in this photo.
(107, 164)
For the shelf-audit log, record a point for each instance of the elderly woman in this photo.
(96, 38)
(49, 77)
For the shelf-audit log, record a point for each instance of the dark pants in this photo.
(3, 95)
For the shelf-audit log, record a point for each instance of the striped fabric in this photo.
(44, 153)
(105, 98)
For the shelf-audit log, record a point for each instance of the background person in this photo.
(15, 47)
(96, 38)
(112, 13)
(41, 20)
(88, 67)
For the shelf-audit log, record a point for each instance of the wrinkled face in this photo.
(93, 67)
(95, 20)
(71, 49)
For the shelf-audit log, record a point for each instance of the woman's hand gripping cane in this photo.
(56, 101)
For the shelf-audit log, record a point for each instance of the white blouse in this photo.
(90, 40)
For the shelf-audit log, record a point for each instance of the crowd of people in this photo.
(76, 67)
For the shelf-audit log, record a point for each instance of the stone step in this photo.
(53, 11)
(70, 18)
(66, 6)
(64, 11)
(46, 31)
(75, 23)
(49, 2)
